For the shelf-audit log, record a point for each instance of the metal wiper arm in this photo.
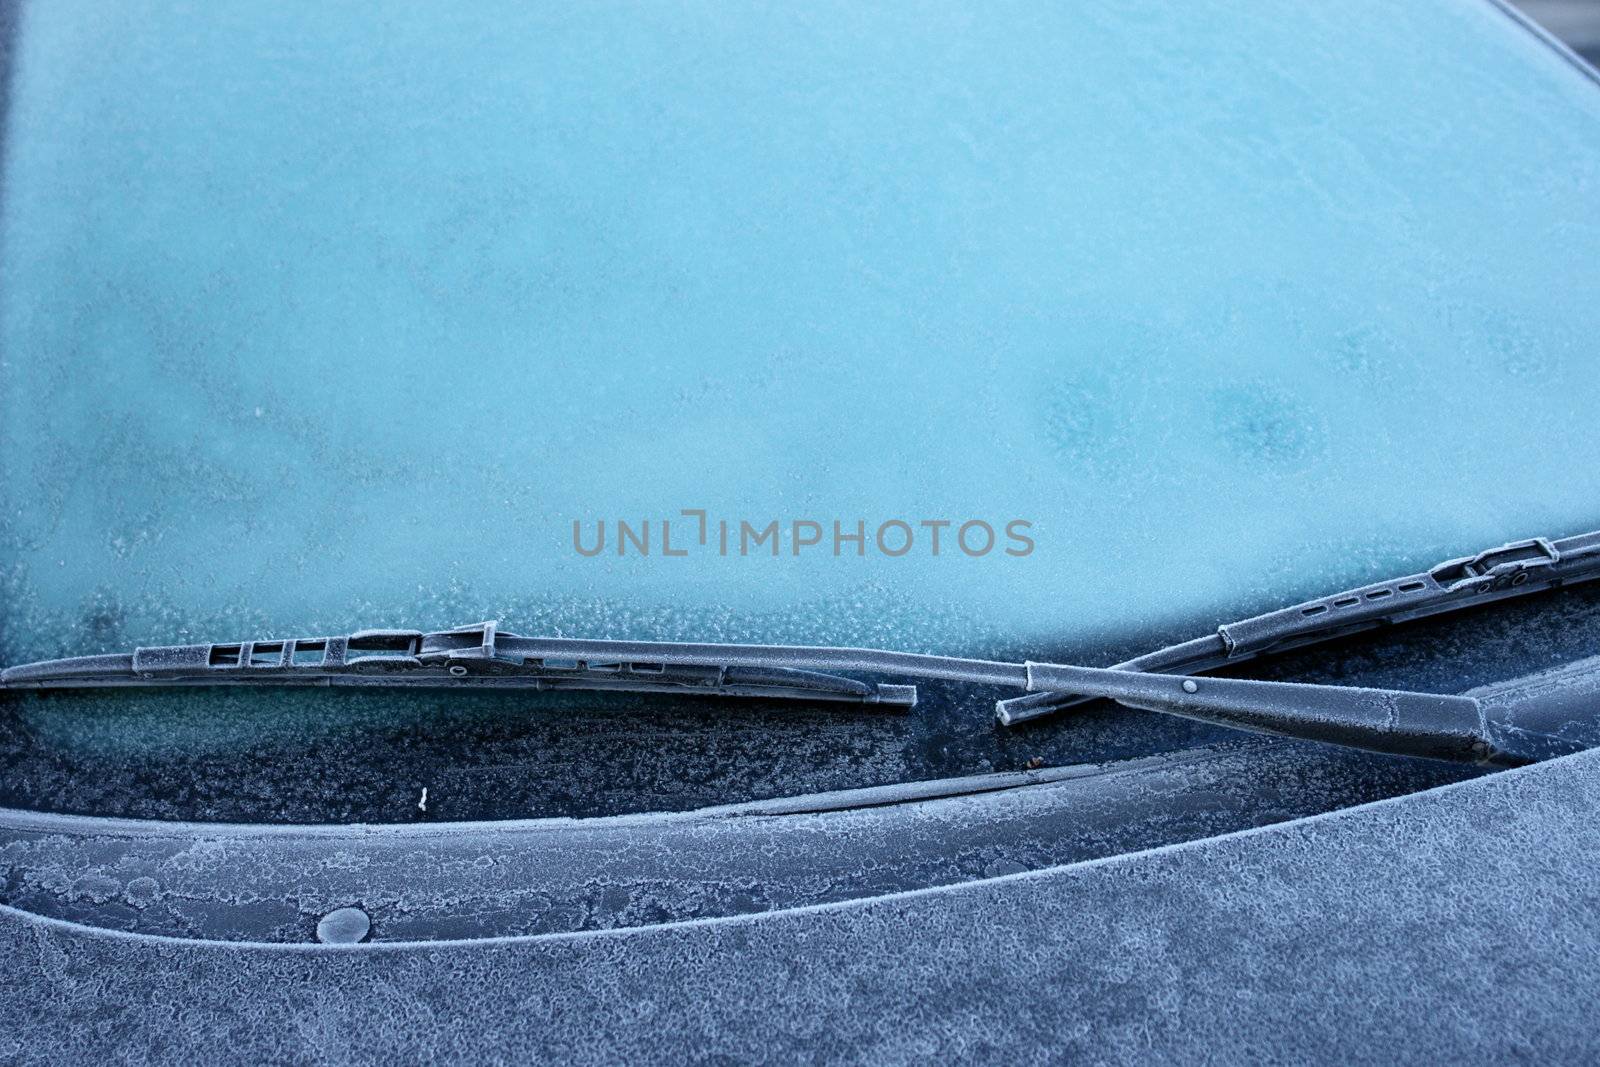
(1510, 570)
(1404, 723)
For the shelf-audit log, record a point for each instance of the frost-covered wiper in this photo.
(1473, 728)
(1509, 570)
(471, 657)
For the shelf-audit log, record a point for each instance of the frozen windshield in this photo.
(311, 321)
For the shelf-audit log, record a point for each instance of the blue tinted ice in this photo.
(313, 320)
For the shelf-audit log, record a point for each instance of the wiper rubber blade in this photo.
(1513, 569)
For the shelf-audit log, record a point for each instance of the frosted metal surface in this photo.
(1414, 925)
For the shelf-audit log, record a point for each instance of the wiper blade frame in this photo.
(468, 657)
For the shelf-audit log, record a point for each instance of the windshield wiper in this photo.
(1510, 570)
(1459, 728)
(472, 656)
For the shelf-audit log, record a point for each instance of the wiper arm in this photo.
(1404, 723)
(1507, 571)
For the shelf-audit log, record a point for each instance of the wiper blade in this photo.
(1510, 570)
(1395, 721)
(471, 657)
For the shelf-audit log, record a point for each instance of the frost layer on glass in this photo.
(312, 320)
